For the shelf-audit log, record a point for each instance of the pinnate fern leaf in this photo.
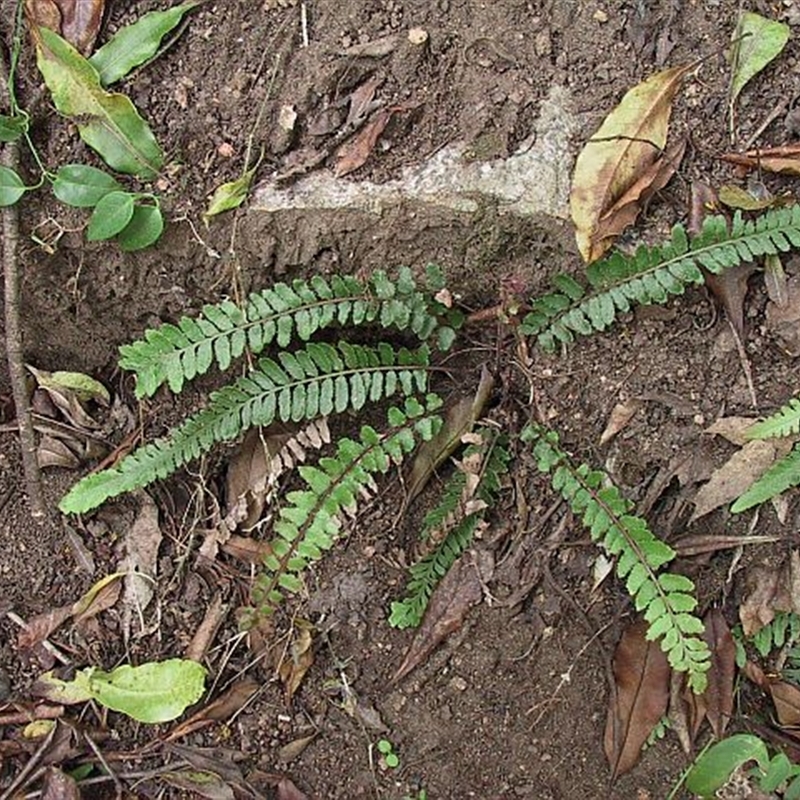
(177, 353)
(313, 518)
(667, 600)
(452, 525)
(784, 422)
(318, 380)
(654, 274)
(782, 475)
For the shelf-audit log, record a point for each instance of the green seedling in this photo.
(386, 749)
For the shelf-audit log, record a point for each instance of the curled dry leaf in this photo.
(769, 590)
(639, 700)
(459, 590)
(627, 144)
(785, 696)
(57, 785)
(620, 416)
(78, 21)
(297, 660)
(730, 288)
(718, 695)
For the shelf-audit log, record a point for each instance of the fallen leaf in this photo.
(730, 288)
(769, 590)
(53, 452)
(639, 700)
(785, 696)
(734, 429)
(69, 392)
(288, 791)
(204, 635)
(757, 41)
(247, 549)
(459, 418)
(784, 320)
(229, 195)
(199, 784)
(290, 751)
(620, 416)
(78, 21)
(775, 281)
(738, 474)
(718, 695)
(108, 122)
(626, 145)
(297, 660)
(680, 710)
(782, 160)
(703, 544)
(703, 202)
(625, 210)
(57, 785)
(355, 151)
(459, 590)
(140, 563)
(740, 198)
(362, 101)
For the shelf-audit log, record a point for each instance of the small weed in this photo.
(390, 758)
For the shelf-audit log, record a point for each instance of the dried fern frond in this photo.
(317, 381)
(666, 599)
(313, 518)
(654, 274)
(175, 354)
(449, 528)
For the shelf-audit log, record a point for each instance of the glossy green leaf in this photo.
(229, 195)
(145, 228)
(136, 43)
(715, 766)
(111, 215)
(107, 122)
(11, 187)
(758, 41)
(83, 186)
(11, 128)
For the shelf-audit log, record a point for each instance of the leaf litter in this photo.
(78, 21)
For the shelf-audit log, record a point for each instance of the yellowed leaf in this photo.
(630, 140)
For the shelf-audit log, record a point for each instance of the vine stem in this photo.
(13, 328)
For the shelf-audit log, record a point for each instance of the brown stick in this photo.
(16, 363)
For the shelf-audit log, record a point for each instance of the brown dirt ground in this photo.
(514, 705)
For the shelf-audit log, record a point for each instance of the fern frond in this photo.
(451, 526)
(317, 381)
(313, 519)
(782, 475)
(174, 354)
(784, 422)
(653, 274)
(666, 599)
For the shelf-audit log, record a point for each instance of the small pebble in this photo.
(600, 16)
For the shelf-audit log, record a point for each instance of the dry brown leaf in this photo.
(207, 630)
(288, 791)
(730, 288)
(718, 695)
(362, 101)
(738, 474)
(53, 452)
(769, 590)
(620, 416)
(78, 21)
(459, 419)
(356, 150)
(297, 660)
(626, 145)
(640, 699)
(784, 320)
(734, 429)
(775, 281)
(703, 544)
(785, 696)
(652, 180)
(703, 201)
(680, 711)
(290, 751)
(57, 785)
(140, 562)
(459, 590)
(199, 783)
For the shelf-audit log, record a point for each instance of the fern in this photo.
(654, 274)
(666, 599)
(174, 354)
(784, 422)
(782, 475)
(312, 520)
(451, 526)
(316, 381)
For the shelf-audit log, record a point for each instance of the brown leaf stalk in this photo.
(13, 329)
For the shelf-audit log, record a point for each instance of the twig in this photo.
(304, 23)
(16, 363)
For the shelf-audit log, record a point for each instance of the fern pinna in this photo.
(654, 274)
(174, 354)
(448, 529)
(666, 599)
(316, 381)
(312, 519)
(784, 474)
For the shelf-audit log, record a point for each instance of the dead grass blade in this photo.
(625, 147)
(640, 699)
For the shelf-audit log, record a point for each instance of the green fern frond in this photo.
(313, 519)
(653, 274)
(784, 422)
(317, 381)
(451, 527)
(174, 354)
(666, 599)
(782, 631)
(782, 475)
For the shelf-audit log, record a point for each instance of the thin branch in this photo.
(9, 157)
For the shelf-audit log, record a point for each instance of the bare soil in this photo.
(514, 704)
